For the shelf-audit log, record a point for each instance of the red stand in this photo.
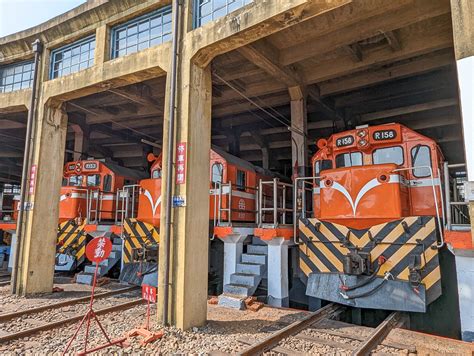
(87, 318)
(148, 336)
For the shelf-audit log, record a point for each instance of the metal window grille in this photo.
(16, 76)
(209, 10)
(72, 58)
(143, 32)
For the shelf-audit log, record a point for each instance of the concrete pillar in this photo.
(233, 245)
(277, 267)
(299, 119)
(190, 223)
(462, 12)
(81, 142)
(102, 44)
(38, 244)
(266, 157)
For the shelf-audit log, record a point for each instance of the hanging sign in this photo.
(32, 179)
(98, 249)
(181, 163)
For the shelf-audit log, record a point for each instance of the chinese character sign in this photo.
(98, 249)
(148, 293)
(32, 179)
(181, 163)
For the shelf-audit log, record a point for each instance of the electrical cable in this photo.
(253, 102)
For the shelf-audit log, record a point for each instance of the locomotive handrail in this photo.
(123, 199)
(305, 181)
(277, 186)
(220, 186)
(440, 228)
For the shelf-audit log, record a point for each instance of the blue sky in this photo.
(18, 15)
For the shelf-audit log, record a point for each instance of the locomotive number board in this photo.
(90, 166)
(390, 134)
(344, 141)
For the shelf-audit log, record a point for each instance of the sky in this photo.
(18, 15)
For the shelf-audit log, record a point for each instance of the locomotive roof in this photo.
(242, 163)
(125, 172)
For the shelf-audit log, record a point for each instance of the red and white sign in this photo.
(32, 179)
(149, 293)
(98, 249)
(181, 163)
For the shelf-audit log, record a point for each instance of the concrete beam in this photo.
(408, 109)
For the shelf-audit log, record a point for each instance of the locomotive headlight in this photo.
(363, 142)
(362, 133)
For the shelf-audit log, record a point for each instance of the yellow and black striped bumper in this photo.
(72, 240)
(137, 235)
(324, 247)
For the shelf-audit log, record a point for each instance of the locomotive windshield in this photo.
(75, 181)
(349, 159)
(388, 155)
(93, 180)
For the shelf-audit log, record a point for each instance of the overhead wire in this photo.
(253, 102)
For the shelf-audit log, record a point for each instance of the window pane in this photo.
(420, 156)
(214, 9)
(217, 170)
(93, 180)
(156, 174)
(349, 159)
(142, 32)
(240, 180)
(388, 155)
(73, 58)
(15, 76)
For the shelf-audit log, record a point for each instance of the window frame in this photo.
(77, 44)
(162, 11)
(383, 148)
(244, 175)
(197, 21)
(221, 172)
(412, 163)
(13, 67)
(95, 185)
(350, 153)
(107, 179)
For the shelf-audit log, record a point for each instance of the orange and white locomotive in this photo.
(233, 193)
(89, 202)
(374, 238)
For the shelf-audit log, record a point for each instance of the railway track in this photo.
(302, 331)
(46, 315)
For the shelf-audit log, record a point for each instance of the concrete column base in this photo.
(233, 246)
(465, 276)
(12, 252)
(277, 267)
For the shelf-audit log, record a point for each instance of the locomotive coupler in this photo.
(357, 263)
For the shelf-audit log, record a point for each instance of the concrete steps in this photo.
(87, 276)
(250, 271)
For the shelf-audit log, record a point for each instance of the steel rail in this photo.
(12, 315)
(272, 340)
(58, 323)
(394, 320)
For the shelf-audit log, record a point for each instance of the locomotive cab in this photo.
(89, 189)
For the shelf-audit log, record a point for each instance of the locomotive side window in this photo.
(75, 181)
(240, 180)
(217, 170)
(93, 180)
(388, 155)
(108, 183)
(156, 174)
(421, 156)
(321, 165)
(349, 159)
